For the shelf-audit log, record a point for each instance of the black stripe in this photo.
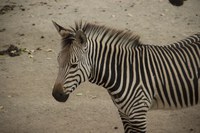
(187, 80)
(113, 65)
(158, 63)
(176, 79)
(170, 79)
(165, 69)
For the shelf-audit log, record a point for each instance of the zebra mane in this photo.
(127, 37)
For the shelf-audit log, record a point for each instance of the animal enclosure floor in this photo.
(26, 81)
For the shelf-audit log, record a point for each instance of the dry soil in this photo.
(26, 104)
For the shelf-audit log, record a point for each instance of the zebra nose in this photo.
(58, 93)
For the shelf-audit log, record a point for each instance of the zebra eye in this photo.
(74, 65)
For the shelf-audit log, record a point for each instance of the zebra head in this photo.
(73, 62)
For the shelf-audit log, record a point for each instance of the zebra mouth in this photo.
(60, 97)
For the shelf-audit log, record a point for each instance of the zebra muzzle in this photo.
(59, 95)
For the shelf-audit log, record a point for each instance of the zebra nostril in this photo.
(61, 94)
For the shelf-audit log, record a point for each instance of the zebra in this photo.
(137, 76)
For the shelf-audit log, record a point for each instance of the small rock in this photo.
(2, 30)
(31, 16)
(21, 34)
(162, 14)
(49, 50)
(33, 24)
(9, 96)
(132, 5)
(42, 37)
(26, 50)
(113, 16)
(130, 15)
(75, 10)
(32, 51)
(23, 9)
(43, 3)
(39, 49)
(166, 10)
(1, 107)
(93, 97)
(30, 56)
(115, 128)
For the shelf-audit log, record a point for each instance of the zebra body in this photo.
(137, 76)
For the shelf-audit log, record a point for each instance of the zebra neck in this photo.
(111, 64)
(109, 49)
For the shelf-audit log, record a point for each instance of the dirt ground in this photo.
(26, 103)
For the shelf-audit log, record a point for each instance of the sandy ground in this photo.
(26, 104)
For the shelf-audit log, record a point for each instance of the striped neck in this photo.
(109, 51)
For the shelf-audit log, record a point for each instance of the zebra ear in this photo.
(80, 37)
(62, 31)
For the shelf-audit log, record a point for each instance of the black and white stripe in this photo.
(139, 77)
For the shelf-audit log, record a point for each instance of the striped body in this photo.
(170, 74)
(137, 76)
